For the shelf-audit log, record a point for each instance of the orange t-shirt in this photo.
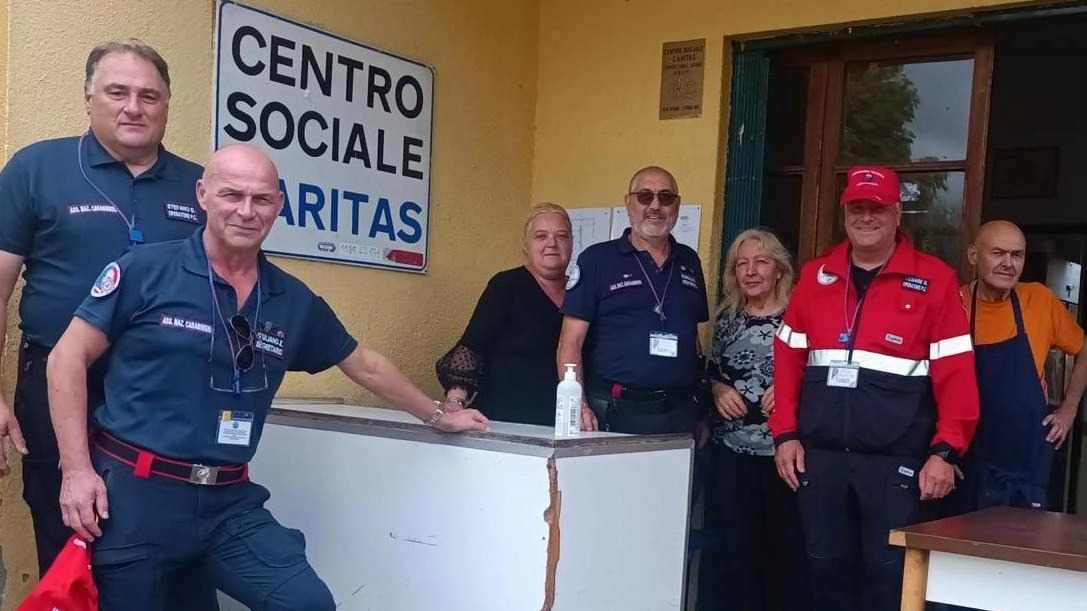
(1048, 322)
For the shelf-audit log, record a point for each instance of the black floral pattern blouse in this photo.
(743, 357)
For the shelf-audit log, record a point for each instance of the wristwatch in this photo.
(945, 451)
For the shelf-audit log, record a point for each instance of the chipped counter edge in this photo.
(335, 416)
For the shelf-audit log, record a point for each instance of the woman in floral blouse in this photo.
(760, 564)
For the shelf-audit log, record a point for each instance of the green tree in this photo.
(879, 106)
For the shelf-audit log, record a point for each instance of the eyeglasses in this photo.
(645, 197)
(243, 359)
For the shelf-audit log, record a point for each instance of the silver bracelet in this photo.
(456, 400)
(437, 415)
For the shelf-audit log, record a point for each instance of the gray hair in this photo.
(653, 169)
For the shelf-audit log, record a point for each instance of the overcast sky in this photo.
(941, 121)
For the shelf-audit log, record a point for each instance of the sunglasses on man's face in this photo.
(645, 197)
(243, 360)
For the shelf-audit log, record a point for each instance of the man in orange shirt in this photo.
(1014, 325)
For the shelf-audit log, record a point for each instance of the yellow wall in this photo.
(4, 43)
(15, 547)
(484, 56)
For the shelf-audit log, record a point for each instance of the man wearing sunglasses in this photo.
(631, 311)
(201, 333)
(68, 206)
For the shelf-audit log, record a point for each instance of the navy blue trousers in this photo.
(159, 529)
(849, 503)
(42, 477)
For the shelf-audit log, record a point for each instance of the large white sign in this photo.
(349, 128)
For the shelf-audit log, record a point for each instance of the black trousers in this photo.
(42, 476)
(848, 505)
(759, 563)
(41, 471)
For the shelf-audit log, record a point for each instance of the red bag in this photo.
(68, 584)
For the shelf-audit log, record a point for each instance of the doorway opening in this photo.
(982, 121)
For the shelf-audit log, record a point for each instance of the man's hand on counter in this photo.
(460, 420)
(588, 417)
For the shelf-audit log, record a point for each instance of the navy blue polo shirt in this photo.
(166, 384)
(66, 230)
(613, 295)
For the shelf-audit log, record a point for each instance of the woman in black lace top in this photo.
(504, 363)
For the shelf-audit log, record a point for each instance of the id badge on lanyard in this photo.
(843, 374)
(663, 344)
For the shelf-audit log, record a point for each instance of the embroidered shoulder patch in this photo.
(107, 281)
(824, 277)
(572, 276)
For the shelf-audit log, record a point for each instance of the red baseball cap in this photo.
(873, 184)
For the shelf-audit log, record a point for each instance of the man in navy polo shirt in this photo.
(632, 310)
(68, 207)
(201, 333)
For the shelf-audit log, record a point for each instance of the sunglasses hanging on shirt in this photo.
(239, 330)
(243, 358)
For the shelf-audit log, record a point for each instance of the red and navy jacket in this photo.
(916, 386)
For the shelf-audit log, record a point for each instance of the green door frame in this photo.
(746, 144)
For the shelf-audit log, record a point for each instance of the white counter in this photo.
(400, 517)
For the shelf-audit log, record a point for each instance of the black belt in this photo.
(145, 464)
(619, 391)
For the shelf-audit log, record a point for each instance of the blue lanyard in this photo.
(135, 236)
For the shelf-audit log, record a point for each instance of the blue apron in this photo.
(1011, 458)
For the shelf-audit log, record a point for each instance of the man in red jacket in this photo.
(876, 394)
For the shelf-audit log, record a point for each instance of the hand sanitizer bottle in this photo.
(568, 405)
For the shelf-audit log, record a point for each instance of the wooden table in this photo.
(999, 559)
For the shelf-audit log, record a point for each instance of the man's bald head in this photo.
(998, 254)
(240, 157)
(999, 231)
(652, 171)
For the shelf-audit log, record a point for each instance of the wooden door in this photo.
(916, 103)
